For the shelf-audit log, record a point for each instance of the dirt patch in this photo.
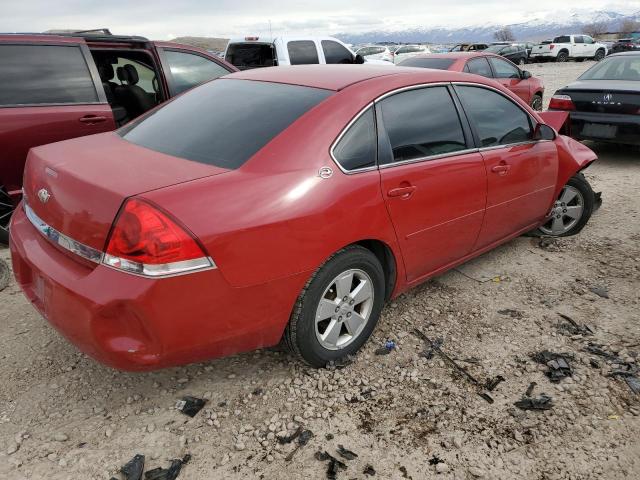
(62, 416)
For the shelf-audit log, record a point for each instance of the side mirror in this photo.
(526, 74)
(544, 132)
(358, 59)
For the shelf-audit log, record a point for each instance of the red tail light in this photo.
(561, 102)
(146, 241)
(551, 47)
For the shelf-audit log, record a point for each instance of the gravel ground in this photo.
(62, 416)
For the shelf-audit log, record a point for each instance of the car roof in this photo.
(623, 54)
(89, 36)
(338, 77)
(456, 55)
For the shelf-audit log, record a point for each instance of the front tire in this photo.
(338, 308)
(6, 210)
(562, 57)
(571, 211)
(600, 54)
(536, 102)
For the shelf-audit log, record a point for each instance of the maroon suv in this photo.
(58, 86)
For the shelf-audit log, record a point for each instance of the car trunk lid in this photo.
(605, 96)
(77, 187)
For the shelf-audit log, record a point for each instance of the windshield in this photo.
(251, 55)
(615, 68)
(436, 63)
(223, 122)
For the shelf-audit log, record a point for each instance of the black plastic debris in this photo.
(435, 460)
(388, 347)
(530, 388)
(630, 375)
(432, 347)
(369, 471)
(599, 350)
(334, 466)
(133, 469)
(290, 438)
(494, 382)
(170, 473)
(510, 312)
(329, 436)
(558, 364)
(404, 472)
(600, 291)
(303, 438)
(543, 402)
(573, 327)
(348, 454)
(190, 405)
(257, 392)
(598, 201)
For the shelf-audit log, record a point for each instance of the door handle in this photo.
(501, 169)
(404, 192)
(91, 119)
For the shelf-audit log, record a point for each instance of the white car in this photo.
(406, 51)
(255, 52)
(564, 47)
(375, 52)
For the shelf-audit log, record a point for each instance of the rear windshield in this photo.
(223, 122)
(436, 63)
(562, 39)
(615, 68)
(251, 55)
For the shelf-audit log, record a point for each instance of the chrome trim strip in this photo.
(430, 158)
(60, 239)
(410, 87)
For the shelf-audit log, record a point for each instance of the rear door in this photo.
(521, 172)
(48, 92)
(510, 76)
(302, 52)
(185, 68)
(433, 183)
(335, 53)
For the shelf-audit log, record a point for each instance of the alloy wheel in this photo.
(566, 212)
(6, 209)
(344, 309)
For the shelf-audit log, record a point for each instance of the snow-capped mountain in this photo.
(534, 29)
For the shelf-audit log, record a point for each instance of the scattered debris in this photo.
(494, 382)
(190, 405)
(303, 438)
(431, 348)
(257, 392)
(369, 470)
(389, 345)
(405, 474)
(329, 436)
(599, 350)
(133, 469)
(546, 242)
(435, 460)
(170, 473)
(530, 388)
(4, 275)
(573, 327)
(340, 363)
(543, 402)
(435, 347)
(600, 291)
(630, 376)
(348, 454)
(559, 367)
(334, 464)
(511, 313)
(290, 438)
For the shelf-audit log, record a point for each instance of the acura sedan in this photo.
(283, 205)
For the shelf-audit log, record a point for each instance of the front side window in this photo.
(480, 66)
(421, 123)
(223, 122)
(335, 53)
(189, 70)
(302, 52)
(504, 69)
(44, 74)
(357, 147)
(588, 40)
(578, 39)
(497, 120)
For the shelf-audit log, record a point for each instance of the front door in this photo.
(510, 77)
(434, 186)
(521, 172)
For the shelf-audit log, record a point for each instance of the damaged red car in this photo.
(283, 205)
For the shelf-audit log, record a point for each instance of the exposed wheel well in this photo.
(387, 260)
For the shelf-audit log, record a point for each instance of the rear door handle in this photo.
(501, 169)
(401, 191)
(91, 119)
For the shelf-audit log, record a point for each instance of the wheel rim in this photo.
(521, 62)
(6, 209)
(344, 309)
(566, 212)
(536, 104)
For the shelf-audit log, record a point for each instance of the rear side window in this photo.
(44, 74)
(480, 66)
(302, 52)
(335, 53)
(435, 63)
(189, 70)
(504, 69)
(497, 120)
(224, 122)
(250, 55)
(562, 39)
(357, 147)
(422, 123)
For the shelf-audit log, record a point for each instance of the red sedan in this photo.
(283, 204)
(521, 82)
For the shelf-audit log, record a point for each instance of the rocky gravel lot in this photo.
(63, 416)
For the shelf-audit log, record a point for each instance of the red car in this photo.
(521, 82)
(283, 203)
(56, 87)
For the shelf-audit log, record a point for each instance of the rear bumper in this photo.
(135, 323)
(586, 126)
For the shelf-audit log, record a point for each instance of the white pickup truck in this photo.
(256, 52)
(564, 47)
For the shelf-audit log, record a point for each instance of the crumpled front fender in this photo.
(573, 157)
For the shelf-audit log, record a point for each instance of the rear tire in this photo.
(350, 284)
(571, 211)
(6, 210)
(562, 57)
(536, 102)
